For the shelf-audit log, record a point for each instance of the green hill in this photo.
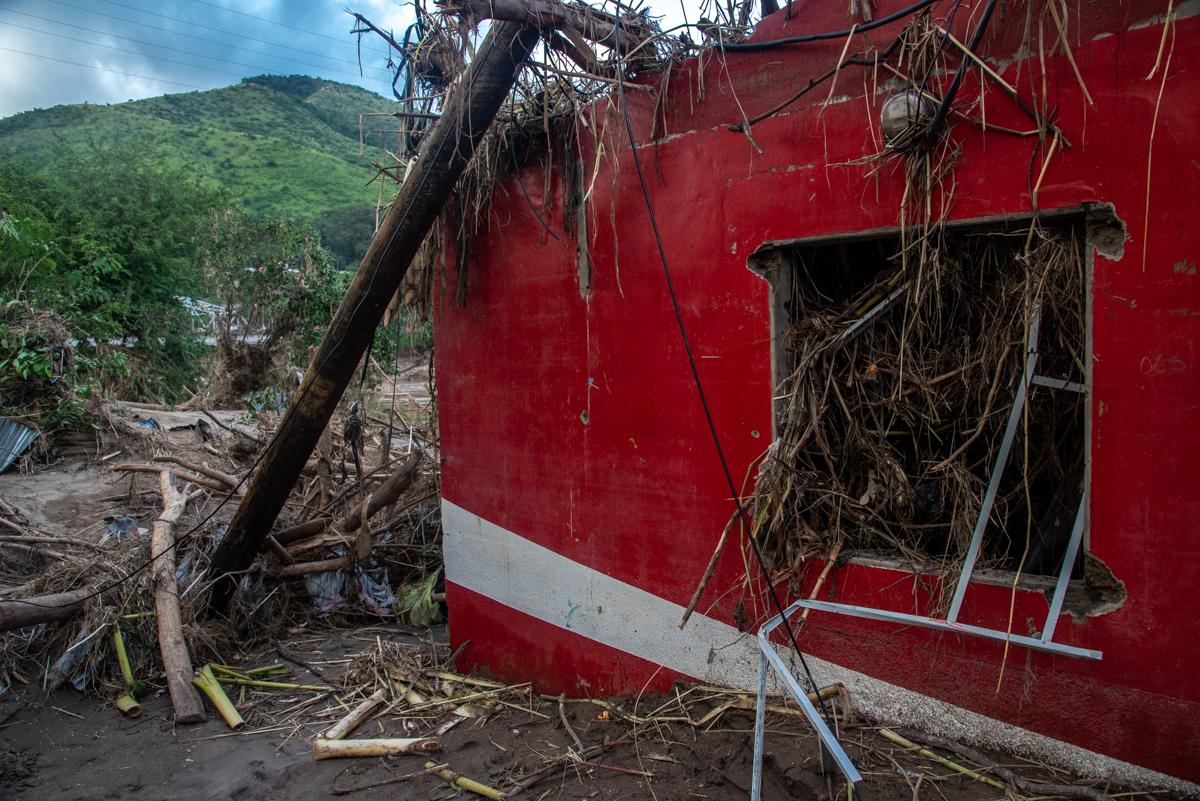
(286, 146)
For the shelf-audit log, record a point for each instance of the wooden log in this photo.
(322, 566)
(231, 429)
(47, 540)
(217, 475)
(303, 531)
(324, 466)
(384, 495)
(279, 551)
(191, 478)
(330, 749)
(355, 717)
(591, 23)
(177, 662)
(22, 612)
(36, 550)
(471, 105)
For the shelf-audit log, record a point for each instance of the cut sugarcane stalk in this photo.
(127, 702)
(941, 760)
(330, 749)
(258, 671)
(226, 671)
(462, 782)
(208, 684)
(128, 705)
(357, 715)
(271, 685)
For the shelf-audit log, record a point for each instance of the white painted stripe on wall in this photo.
(538, 582)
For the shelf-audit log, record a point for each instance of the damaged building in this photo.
(932, 294)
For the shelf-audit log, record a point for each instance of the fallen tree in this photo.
(444, 155)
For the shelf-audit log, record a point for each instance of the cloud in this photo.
(193, 43)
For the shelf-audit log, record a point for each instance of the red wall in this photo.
(637, 491)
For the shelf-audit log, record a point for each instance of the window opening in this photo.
(897, 370)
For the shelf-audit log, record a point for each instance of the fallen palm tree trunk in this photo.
(470, 108)
(176, 661)
(17, 614)
(330, 749)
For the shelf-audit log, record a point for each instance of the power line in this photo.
(266, 19)
(221, 30)
(203, 39)
(104, 69)
(166, 47)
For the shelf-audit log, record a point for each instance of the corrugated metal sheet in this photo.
(14, 439)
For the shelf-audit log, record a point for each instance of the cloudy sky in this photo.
(108, 51)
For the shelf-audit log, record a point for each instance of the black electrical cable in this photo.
(154, 557)
(976, 38)
(734, 47)
(712, 428)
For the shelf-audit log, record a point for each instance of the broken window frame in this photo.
(781, 289)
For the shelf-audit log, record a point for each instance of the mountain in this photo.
(286, 146)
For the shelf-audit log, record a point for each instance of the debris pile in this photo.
(123, 603)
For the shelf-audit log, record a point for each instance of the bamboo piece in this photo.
(270, 685)
(708, 571)
(334, 749)
(830, 561)
(462, 782)
(353, 720)
(19, 613)
(447, 148)
(208, 684)
(389, 780)
(127, 702)
(941, 760)
(176, 661)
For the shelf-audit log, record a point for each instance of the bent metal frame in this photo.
(770, 659)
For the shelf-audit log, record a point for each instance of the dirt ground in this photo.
(68, 747)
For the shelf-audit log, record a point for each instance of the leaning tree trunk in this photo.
(467, 113)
